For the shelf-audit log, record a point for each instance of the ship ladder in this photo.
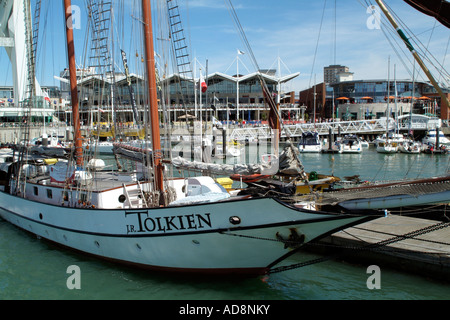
(135, 197)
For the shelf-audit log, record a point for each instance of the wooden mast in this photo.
(152, 94)
(73, 83)
(444, 100)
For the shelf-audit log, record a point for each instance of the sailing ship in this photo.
(146, 219)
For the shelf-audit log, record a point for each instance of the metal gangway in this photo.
(359, 127)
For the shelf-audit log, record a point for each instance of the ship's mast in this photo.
(444, 99)
(73, 83)
(152, 95)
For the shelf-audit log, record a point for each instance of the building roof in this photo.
(220, 75)
(120, 78)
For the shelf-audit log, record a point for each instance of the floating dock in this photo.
(408, 244)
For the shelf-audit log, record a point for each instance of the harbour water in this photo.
(31, 268)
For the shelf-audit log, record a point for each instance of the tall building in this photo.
(334, 73)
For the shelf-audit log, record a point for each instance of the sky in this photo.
(299, 35)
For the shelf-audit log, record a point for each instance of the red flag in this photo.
(203, 84)
(46, 97)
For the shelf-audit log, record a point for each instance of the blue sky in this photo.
(288, 29)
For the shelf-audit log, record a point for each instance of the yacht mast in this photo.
(73, 83)
(444, 100)
(152, 94)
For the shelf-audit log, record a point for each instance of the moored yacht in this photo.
(310, 143)
(432, 138)
(351, 144)
(387, 146)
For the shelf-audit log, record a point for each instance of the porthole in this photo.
(97, 244)
(122, 198)
(235, 220)
(41, 216)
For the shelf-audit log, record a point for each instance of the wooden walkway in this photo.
(427, 254)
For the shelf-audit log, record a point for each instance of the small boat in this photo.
(364, 143)
(432, 138)
(431, 149)
(309, 143)
(387, 146)
(104, 147)
(351, 144)
(335, 147)
(410, 147)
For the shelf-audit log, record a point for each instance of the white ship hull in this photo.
(310, 148)
(387, 147)
(205, 238)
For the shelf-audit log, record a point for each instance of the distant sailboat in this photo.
(386, 145)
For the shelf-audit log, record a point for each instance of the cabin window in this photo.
(122, 198)
(83, 197)
(36, 191)
(65, 196)
(49, 193)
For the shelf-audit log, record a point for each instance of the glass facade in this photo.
(6, 93)
(378, 89)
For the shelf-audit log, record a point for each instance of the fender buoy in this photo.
(248, 178)
(313, 176)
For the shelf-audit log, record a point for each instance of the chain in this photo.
(373, 246)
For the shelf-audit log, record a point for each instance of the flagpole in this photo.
(200, 92)
(237, 87)
(195, 87)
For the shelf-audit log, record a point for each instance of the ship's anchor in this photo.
(294, 240)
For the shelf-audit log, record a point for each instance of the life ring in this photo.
(248, 178)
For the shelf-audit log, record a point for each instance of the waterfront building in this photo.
(367, 99)
(44, 107)
(233, 98)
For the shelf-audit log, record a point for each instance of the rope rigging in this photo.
(396, 43)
